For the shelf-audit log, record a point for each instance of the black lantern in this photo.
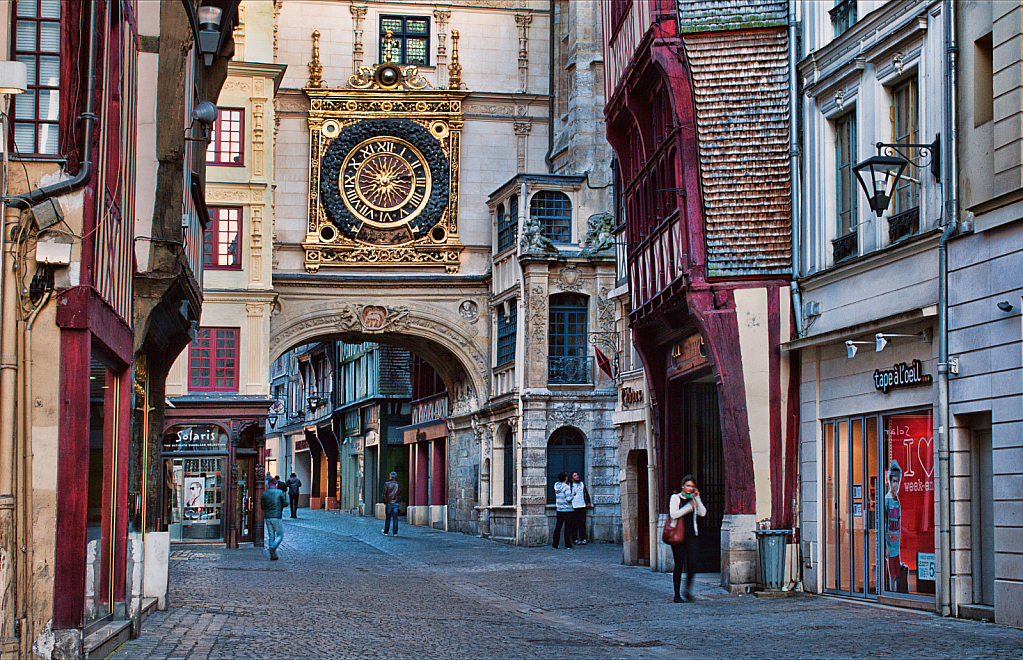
(883, 174)
(209, 31)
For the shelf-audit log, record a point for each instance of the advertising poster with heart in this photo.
(909, 440)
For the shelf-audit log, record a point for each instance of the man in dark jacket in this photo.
(293, 485)
(272, 502)
(392, 503)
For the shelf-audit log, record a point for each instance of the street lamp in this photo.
(879, 175)
(13, 77)
(209, 31)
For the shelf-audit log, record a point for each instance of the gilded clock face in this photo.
(385, 182)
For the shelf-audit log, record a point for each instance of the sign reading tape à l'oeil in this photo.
(901, 375)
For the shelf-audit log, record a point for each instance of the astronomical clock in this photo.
(384, 172)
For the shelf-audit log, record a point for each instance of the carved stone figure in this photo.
(599, 233)
(534, 240)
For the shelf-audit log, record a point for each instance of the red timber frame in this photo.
(90, 326)
(667, 306)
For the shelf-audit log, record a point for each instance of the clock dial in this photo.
(385, 182)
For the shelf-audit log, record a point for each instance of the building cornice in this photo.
(258, 69)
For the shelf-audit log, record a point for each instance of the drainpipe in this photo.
(794, 170)
(651, 488)
(550, 95)
(950, 189)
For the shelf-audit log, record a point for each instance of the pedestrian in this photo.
(294, 483)
(580, 502)
(272, 502)
(271, 481)
(281, 486)
(392, 503)
(684, 507)
(565, 511)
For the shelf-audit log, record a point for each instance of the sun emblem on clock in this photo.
(385, 182)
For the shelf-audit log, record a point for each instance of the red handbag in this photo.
(674, 534)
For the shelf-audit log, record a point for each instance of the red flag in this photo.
(603, 362)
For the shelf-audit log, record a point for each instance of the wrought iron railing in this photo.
(570, 370)
(904, 224)
(845, 247)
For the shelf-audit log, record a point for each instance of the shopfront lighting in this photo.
(1005, 306)
(850, 347)
(881, 338)
(13, 77)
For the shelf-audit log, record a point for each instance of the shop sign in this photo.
(430, 410)
(631, 397)
(301, 445)
(196, 438)
(689, 354)
(901, 375)
(372, 438)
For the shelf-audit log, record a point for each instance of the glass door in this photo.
(243, 500)
(850, 495)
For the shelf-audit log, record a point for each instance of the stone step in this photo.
(107, 638)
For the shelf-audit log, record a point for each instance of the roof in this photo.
(741, 87)
(715, 15)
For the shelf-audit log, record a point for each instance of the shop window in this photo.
(565, 453)
(845, 244)
(221, 245)
(507, 321)
(554, 210)
(36, 113)
(226, 141)
(213, 361)
(410, 39)
(568, 360)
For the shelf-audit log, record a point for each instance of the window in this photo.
(843, 16)
(507, 224)
(509, 468)
(225, 146)
(410, 39)
(564, 454)
(35, 113)
(906, 130)
(213, 360)
(221, 242)
(568, 361)
(983, 81)
(506, 325)
(845, 156)
(554, 210)
(618, 11)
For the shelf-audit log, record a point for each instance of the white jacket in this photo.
(676, 510)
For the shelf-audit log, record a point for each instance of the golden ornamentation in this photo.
(315, 68)
(455, 69)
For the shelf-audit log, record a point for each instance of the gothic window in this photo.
(507, 224)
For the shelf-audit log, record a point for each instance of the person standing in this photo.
(684, 508)
(273, 502)
(392, 503)
(580, 502)
(294, 484)
(563, 502)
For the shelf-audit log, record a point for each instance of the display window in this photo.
(195, 498)
(878, 491)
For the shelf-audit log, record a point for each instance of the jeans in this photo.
(579, 524)
(392, 514)
(294, 504)
(274, 532)
(564, 519)
(684, 553)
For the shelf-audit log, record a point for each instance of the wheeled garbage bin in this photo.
(771, 546)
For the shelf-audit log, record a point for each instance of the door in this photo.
(850, 542)
(983, 554)
(642, 508)
(244, 500)
(702, 455)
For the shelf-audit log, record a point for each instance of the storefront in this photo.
(195, 482)
(869, 480)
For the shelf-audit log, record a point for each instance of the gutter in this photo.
(548, 157)
(794, 169)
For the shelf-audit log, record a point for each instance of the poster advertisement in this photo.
(195, 496)
(909, 501)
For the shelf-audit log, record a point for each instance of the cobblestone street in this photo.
(341, 589)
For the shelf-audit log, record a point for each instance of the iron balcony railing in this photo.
(570, 370)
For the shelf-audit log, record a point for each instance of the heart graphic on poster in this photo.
(925, 454)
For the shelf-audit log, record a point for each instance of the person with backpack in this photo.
(294, 484)
(272, 502)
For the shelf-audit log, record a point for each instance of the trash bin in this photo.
(771, 545)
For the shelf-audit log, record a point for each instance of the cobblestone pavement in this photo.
(341, 589)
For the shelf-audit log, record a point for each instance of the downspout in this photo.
(794, 169)
(651, 488)
(550, 94)
(950, 189)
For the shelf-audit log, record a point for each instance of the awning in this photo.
(423, 431)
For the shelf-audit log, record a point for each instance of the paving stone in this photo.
(342, 590)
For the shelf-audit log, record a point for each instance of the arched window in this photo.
(554, 210)
(507, 224)
(565, 453)
(509, 467)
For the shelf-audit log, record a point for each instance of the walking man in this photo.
(563, 500)
(272, 502)
(294, 483)
(580, 502)
(392, 503)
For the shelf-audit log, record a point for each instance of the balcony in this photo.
(845, 247)
(570, 371)
(903, 225)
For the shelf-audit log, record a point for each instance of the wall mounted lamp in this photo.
(1005, 306)
(850, 347)
(884, 170)
(209, 31)
(881, 338)
(13, 77)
